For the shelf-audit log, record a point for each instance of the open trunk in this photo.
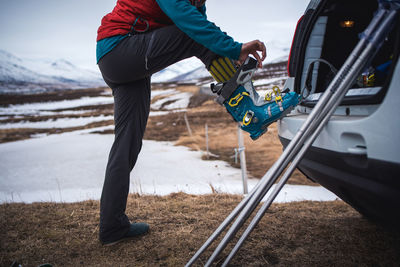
(356, 155)
(330, 32)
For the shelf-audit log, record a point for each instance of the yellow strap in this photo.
(221, 70)
(213, 75)
(230, 64)
(223, 64)
(216, 75)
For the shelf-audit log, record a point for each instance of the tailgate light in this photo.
(291, 48)
(347, 24)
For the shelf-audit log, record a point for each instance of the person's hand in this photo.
(253, 48)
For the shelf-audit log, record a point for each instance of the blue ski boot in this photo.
(253, 112)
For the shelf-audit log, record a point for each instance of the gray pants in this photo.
(127, 70)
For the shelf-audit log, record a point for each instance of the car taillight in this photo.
(291, 47)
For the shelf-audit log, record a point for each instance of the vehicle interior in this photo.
(334, 35)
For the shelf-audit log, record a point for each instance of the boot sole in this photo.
(283, 114)
(123, 240)
(118, 241)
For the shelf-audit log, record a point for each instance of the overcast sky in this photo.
(67, 29)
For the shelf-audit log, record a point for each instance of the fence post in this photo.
(208, 152)
(187, 124)
(242, 154)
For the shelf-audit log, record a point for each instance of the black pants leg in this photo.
(127, 70)
(132, 106)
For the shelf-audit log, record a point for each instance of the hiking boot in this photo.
(135, 230)
(245, 105)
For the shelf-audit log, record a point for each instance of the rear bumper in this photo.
(370, 186)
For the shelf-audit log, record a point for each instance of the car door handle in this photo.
(358, 150)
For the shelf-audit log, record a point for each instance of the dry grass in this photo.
(298, 234)
(188, 88)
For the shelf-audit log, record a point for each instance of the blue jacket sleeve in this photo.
(194, 23)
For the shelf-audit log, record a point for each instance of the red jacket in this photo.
(128, 15)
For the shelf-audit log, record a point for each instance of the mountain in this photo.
(30, 76)
(193, 75)
(192, 69)
(171, 73)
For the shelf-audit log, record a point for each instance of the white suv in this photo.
(357, 154)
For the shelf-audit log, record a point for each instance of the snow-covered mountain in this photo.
(29, 76)
(192, 69)
(26, 75)
(193, 75)
(172, 72)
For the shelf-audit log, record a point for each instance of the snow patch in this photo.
(56, 123)
(261, 82)
(175, 101)
(155, 93)
(70, 167)
(176, 69)
(39, 108)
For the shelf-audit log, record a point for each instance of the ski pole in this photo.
(221, 227)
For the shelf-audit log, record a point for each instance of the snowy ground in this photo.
(58, 123)
(47, 108)
(172, 100)
(70, 167)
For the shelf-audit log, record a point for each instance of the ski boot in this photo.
(245, 105)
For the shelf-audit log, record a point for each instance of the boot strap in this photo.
(230, 87)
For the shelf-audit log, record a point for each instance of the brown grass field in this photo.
(294, 234)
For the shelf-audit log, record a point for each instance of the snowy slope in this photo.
(23, 75)
(65, 69)
(177, 69)
(70, 167)
(12, 69)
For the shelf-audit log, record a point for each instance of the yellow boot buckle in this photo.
(268, 96)
(233, 102)
(248, 117)
(277, 92)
